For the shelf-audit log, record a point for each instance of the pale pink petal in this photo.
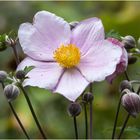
(122, 65)
(100, 61)
(71, 84)
(44, 75)
(46, 34)
(86, 33)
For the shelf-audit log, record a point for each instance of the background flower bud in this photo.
(131, 102)
(125, 84)
(11, 92)
(74, 109)
(129, 42)
(3, 75)
(88, 97)
(73, 24)
(131, 59)
(20, 74)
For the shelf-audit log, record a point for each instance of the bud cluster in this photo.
(130, 100)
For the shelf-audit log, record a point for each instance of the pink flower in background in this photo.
(66, 61)
(122, 65)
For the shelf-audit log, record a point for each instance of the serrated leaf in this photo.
(113, 34)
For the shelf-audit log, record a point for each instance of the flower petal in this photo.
(44, 75)
(122, 65)
(46, 34)
(71, 84)
(100, 61)
(86, 33)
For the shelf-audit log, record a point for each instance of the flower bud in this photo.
(3, 76)
(131, 102)
(125, 84)
(74, 109)
(131, 59)
(73, 24)
(88, 97)
(20, 74)
(11, 92)
(129, 42)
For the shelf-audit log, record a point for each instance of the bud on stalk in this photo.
(131, 102)
(74, 109)
(11, 92)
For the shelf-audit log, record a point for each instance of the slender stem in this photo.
(116, 118)
(126, 75)
(16, 116)
(90, 88)
(138, 91)
(86, 121)
(16, 55)
(18, 120)
(124, 125)
(26, 96)
(91, 112)
(32, 111)
(90, 109)
(75, 127)
(128, 116)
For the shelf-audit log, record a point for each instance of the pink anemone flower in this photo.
(122, 65)
(65, 60)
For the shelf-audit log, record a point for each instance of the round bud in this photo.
(74, 109)
(88, 97)
(131, 103)
(11, 92)
(125, 84)
(73, 24)
(129, 42)
(20, 74)
(3, 76)
(131, 59)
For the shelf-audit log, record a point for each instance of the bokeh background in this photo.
(51, 109)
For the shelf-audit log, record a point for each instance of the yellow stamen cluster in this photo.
(67, 55)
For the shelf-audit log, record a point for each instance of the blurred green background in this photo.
(51, 109)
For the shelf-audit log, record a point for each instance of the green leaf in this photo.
(2, 42)
(113, 34)
(28, 68)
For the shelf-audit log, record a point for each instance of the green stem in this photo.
(16, 116)
(86, 121)
(116, 118)
(128, 116)
(124, 126)
(91, 112)
(90, 109)
(18, 120)
(75, 127)
(16, 55)
(32, 111)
